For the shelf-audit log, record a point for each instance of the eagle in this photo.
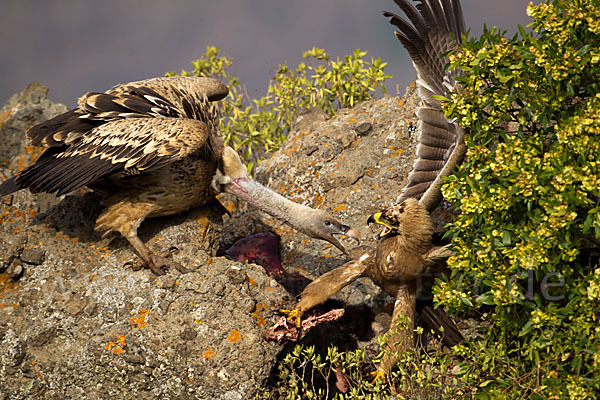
(404, 247)
(152, 148)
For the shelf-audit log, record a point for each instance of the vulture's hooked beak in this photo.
(348, 232)
(376, 219)
(351, 233)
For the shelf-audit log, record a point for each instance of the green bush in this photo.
(255, 127)
(528, 232)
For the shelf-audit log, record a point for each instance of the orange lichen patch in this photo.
(116, 347)
(257, 314)
(157, 239)
(31, 212)
(355, 143)
(234, 336)
(353, 120)
(4, 115)
(139, 322)
(395, 152)
(251, 281)
(7, 285)
(13, 305)
(317, 200)
(340, 208)
(37, 369)
(401, 102)
(210, 261)
(34, 151)
(208, 354)
(229, 205)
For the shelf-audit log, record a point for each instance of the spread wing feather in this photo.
(131, 146)
(151, 98)
(130, 129)
(433, 28)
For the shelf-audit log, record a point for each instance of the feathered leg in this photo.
(125, 217)
(401, 333)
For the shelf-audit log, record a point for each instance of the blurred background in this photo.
(76, 46)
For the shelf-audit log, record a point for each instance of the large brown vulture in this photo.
(152, 148)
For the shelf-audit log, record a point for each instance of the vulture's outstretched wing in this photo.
(437, 26)
(177, 97)
(128, 146)
(131, 129)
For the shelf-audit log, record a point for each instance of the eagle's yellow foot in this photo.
(377, 375)
(293, 314)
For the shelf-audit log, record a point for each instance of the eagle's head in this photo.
(408, 218)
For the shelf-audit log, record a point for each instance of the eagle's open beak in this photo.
(376, 219)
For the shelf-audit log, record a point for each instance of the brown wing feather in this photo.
(153, 98)
(131, 146)
(435, 27)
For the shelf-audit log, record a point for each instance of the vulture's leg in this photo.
(125, 216)
(150, 260)
(328, 284)
(401, 334)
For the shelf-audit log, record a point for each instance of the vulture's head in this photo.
(409, 218)
(320, 224)
(317, 224)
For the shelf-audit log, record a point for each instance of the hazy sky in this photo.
(75, 46)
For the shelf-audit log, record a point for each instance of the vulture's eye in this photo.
(327, 223)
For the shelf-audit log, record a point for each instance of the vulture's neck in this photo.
(272, 203)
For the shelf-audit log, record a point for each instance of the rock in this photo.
(33, 256)
(80, 323)
(21, 112)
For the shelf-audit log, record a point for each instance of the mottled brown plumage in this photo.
(394, 265)
(152, 148)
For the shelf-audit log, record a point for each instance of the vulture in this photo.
(404, 248)
(152, 148)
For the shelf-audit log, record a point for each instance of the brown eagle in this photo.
(404, 249)
(152, 148)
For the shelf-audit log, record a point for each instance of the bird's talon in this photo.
(377, 375)
(293, 314)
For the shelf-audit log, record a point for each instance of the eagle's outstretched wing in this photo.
(435, 27)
